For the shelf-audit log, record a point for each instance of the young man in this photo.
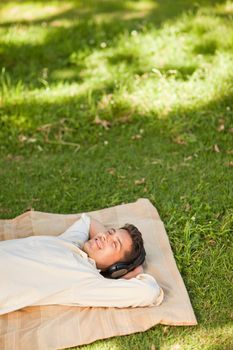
(46, 270)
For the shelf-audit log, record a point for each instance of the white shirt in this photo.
(46, 270)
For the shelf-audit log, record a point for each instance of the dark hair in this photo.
(137, 246)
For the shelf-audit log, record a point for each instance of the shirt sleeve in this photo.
(140, 291)
(78, 232)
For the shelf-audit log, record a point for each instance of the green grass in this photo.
(159, 77)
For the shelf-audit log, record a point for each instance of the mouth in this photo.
(98, 243)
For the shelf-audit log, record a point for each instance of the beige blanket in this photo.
(57, 327)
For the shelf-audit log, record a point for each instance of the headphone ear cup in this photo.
(117, 270)
(119, 273)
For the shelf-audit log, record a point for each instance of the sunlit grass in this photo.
(27, 11)
(21, 35)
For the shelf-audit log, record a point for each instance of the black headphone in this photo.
(120, 269)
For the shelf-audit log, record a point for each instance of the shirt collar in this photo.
(85, 256)
(77, 247)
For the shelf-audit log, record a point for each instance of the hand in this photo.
(95, 228)
(133, 273)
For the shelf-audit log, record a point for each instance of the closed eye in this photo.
(116, 243)
(111, 231)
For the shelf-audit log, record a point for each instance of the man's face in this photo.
(109, 247)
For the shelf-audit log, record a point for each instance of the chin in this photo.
(86, 248)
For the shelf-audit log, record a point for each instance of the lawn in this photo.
(103, 102)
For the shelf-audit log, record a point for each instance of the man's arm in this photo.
(83, 229)
(98, 291)
(78, 231)
(96, 227)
